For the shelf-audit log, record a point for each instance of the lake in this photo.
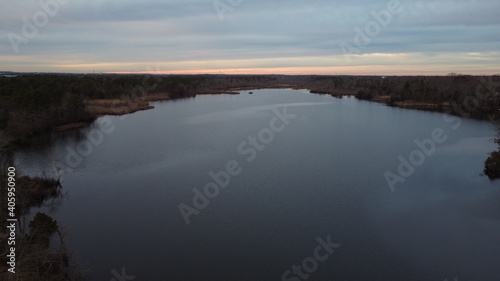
(278, 185)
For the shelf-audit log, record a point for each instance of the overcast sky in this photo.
(251, 36)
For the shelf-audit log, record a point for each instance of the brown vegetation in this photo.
(30, 104)
(36, 260)
(102, 107)
(70, 126)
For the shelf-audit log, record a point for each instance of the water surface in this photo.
(321, 175)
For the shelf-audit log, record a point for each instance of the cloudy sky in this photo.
(251, 36)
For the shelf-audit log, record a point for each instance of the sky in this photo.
(331, 37)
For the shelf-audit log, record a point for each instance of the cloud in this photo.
(124, 34)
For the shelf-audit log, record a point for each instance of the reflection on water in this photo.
(322, 175)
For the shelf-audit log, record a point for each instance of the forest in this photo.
(33, 103)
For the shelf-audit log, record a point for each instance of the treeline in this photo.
(30, 104)
(478, 96)
(437, 89)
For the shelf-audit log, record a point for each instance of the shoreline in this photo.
(409, 104)
(123, 106)
(113, 107)
(436, 94)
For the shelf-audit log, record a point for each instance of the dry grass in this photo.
(383, 99)
(421, 105)
(102, 107)
(157, 97)
(332, 92)
(71, 126)
(107, 102)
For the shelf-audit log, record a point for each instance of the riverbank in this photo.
(127, 105)
(122, 106)
(31, 255)
(378, 118)
(76, 100)
(409, 104)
